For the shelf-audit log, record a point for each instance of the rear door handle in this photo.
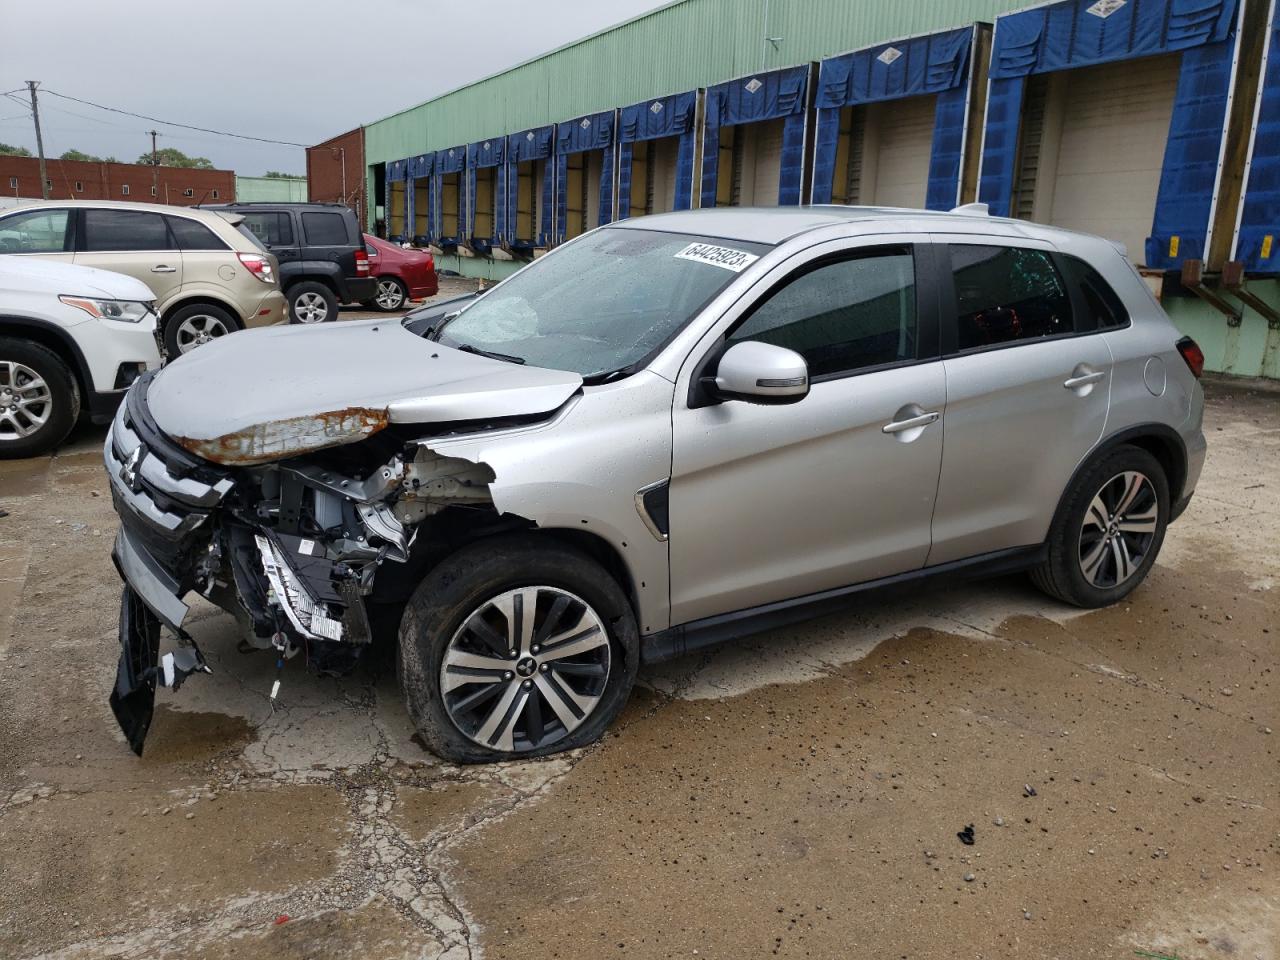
(164, 268)
(1074, 383)
(897, 426)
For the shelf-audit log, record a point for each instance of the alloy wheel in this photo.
(310, 308)
(525, 669)
(25, 401)
(197, 330)
(1119, 526)
(390, 296)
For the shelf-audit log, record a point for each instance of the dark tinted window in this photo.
(194, 236)
(39, 231)
(120, 230)
(844, 315)
(1006, 294)
(271, 229)
(1104, 306)
(325, 229)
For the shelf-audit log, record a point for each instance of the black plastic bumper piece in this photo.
(134, 697)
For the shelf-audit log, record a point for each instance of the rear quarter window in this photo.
(1103, 307)
(194, 236)
(271, 228)
(325, 229)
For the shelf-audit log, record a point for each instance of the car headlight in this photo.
(127, 311)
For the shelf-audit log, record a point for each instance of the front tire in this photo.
(516, 647)
(1108, 531)
(391, 296)
(39, 399)
(312, 302)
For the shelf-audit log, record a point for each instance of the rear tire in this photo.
(392, 295)
(195, 325)
(539, 701)
(312, 302)
(1108, 530)
(39, 399)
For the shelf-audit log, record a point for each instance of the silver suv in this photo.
(667, 433)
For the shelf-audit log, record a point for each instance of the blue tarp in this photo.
(934, 64)
(1066, 35)
(482, 155)
(419, 168)
(522, 147)
(765, 96)
(592, 132)
(452, 160)
(1260, 222)
(650, 120)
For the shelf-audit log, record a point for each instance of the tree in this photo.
(78, 155)
(277, 175)
(10, 151)
(172, 157)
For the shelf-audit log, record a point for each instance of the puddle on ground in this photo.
(186, 737)
(23, 478)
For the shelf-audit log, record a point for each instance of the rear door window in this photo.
(325, 229)
(1007, 295)
(37, 231)
(194, 236)
(121, 231)
(273, 229)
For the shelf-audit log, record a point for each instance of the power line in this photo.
(170, 123)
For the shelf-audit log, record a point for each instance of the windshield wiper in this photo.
(492, 354)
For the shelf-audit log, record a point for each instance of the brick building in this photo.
(336, 173)
(87, 180)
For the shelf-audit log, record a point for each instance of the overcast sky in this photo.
(296, 70)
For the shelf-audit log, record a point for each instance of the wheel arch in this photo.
(205, 300)
(1157, 439)
(55, 339)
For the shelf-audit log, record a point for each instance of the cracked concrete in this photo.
(793, 795)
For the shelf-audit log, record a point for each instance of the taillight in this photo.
(362, 263)
(1194, 356)
(258, 265)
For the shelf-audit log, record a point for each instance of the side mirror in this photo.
(760, 373)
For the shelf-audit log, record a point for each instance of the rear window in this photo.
(271, 228)
(325, 229)
(194, 236)
(124, 230)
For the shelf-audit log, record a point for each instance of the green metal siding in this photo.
(688, 44)
(271, 189)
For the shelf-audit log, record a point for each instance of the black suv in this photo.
(320, 247)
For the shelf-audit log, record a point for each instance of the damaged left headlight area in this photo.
(291, 549)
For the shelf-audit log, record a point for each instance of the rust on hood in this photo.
(280, 439)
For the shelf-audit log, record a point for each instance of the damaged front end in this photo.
(291, 547)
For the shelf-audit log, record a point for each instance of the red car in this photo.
(402, 275)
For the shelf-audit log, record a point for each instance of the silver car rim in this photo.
(198, 330)
(310, 308)
(525, 669)
(25, 401)
(389, 296)
(1119, 527)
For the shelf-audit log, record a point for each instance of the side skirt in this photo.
(712, 631)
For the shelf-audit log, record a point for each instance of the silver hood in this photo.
(261, 395)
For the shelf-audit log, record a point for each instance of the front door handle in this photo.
(163, 268)
(910, 423)
(1074, 383)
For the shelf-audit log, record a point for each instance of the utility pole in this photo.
(155, 168)
(35, 113)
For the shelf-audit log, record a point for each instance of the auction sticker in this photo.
(724, 257)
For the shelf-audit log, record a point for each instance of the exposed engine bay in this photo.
(313, 554)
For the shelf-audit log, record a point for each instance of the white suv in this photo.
(71, 339)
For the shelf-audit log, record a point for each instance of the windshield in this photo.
(602, 303)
